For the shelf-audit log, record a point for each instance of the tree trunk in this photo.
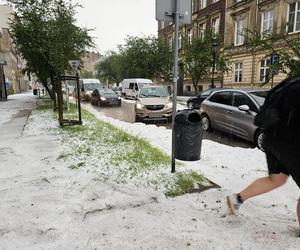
(60, 103)
(54, 87)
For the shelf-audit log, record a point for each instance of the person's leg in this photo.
(263, 185)
(259, 186)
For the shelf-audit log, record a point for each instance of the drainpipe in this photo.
(254, 49)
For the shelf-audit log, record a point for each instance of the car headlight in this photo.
(169, 105)
(139, 106)
(103, 98)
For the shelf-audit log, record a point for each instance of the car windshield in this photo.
(153, 92)
(106, 92)
(142, 84)
(259, 97)
(92, 86)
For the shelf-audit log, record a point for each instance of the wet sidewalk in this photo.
(14, 114)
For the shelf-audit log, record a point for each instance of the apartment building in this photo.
(250, 67)
(90, 60)
(12, 70)
(207, 14)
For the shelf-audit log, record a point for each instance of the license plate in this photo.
(113, 102)
(155, 115)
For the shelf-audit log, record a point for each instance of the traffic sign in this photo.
(165, 10)
(74, 64)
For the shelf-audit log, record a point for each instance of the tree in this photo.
(196, 56)
(46, 36)
(285, 46)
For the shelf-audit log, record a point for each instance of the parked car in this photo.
(102, 97)
(132, 87)
(154, 103)
(233, 111)
(117, 90)
(195, 101)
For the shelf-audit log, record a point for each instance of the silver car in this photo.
(233, 111)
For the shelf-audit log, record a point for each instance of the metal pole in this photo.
(175, 79)
(213, 72)
(78, 96)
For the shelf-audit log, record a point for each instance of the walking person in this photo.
(280, 120)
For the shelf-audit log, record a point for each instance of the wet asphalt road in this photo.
(127, 113)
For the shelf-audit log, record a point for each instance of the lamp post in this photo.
(214, 46)
(2, 78)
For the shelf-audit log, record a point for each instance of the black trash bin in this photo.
(188, 135)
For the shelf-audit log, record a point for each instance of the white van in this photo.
(131, 87)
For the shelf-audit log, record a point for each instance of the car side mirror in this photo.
(244, 108)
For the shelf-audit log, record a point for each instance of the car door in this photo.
(130, 89)
(243, 122)
(220, 105)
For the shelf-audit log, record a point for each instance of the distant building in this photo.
(12, 70)
(90, 60)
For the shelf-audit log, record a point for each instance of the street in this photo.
(126, 113)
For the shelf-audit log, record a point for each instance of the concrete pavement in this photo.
(14, 113)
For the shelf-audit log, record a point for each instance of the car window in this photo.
(259, 96)
(154, 92)
(136, 87)
(242, 99)
(131, 85)
(222, 98)
(206, 93)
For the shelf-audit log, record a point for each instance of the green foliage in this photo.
(184, 183)
(197, 57)
(46, 36)
(287, 46)
(140, 57)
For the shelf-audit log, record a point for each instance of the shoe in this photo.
(233, 203)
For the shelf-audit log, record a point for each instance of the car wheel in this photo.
(259, 140)
(190, 105)
(137, 119)
(206, 123)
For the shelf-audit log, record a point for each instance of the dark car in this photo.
(233, 111)
(195, 101)
(102, 97)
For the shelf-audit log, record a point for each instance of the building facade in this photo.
(207, 14)
(246, 18)
(90, 60)
(12, 70)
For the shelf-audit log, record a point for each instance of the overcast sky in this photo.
(114, 19)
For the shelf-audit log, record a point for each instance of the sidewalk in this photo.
(14, 113)
(46, 205)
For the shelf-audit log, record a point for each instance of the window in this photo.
(267, 22)
(190, 35)
(239, 32)
(294, 17)
(179, 40)
(215, 23)
(202, 28)
(238, 72)
(188, 88)
(203, 4)
(222, 98)
(240, 99)
(131, 85)
(264, 70)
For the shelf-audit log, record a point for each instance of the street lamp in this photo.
(214, 47)
(2, 77)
